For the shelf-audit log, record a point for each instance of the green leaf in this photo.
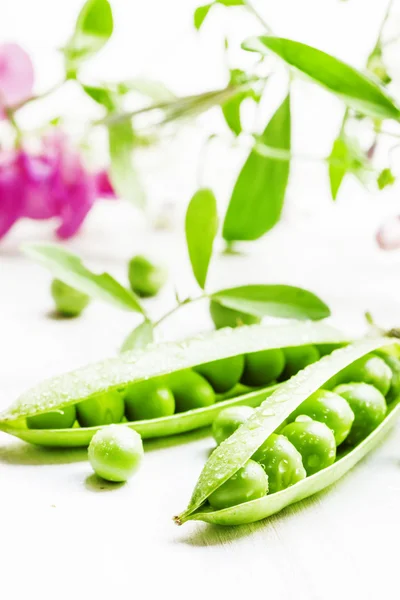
(355, 89)
(231, 112)
(93, 29)
(201, 228)
(234, 452)
(346, 157)
(124, 176)
(258, 195)
(103, 96)
(337, 165)
(69, 268)
(139, 338)
(283, 301)
(231, 2)
(231, 108)
(385, 178)
(151, 88)
(200, 14)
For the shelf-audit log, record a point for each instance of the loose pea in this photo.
(228, 317)
(394, 364)
(297, 358)
(368, 405)
(328, 408)
(248, 483)
(368, 369)
(148, 400)
(281, 462)
(145, 278)
(69, 302)
(101, 410)
(315, 442)
(115, 452)
(62, 419)
(261, 368)
(190, 390)
(228, 420)
(223, 374)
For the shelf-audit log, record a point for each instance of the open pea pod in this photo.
(154, 361)
(236, 450)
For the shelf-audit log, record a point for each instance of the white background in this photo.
(61, 534)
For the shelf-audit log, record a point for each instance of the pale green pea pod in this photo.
(117, 374)
(233, 453)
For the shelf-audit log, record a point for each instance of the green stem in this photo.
(177, 307)
(250, 7)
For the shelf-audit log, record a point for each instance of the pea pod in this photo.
(156, 360)
(235, 451)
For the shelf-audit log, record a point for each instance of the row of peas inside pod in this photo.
(328, 423)
(182, 391)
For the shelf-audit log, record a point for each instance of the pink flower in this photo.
(388, 236)
(16, 76)
(52, 184)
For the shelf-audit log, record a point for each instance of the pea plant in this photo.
(258, 195)
(201, 224)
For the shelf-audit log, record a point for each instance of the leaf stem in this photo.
(177, 307)
(251, 8)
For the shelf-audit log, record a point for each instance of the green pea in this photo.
(115, 452)
(60, 419)
(69, 302)
(325, 349)
(297, 358)
(148, 400)
(368, 405)
(228, 317)
(368, 369)
(261, 368)
(328, 408)
(190, 390)
(394, 364)
(281, 462)
(315, 442)
(145, 278)
(248, 483)
(101, 410)
(223, 374)
(228, 420)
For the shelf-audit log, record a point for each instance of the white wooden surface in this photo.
(63, 535)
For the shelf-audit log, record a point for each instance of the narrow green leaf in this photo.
(201, 228)
(124, 176)
(337, 165)
(385, 178)
(355, 89)
(151, 88)
(258, 195)
(69, 268)
(347, 156)
(231, 108)
(231, 112)
(234, 452)
(139, 338)
(103, 96)
(283, 301)
(231, 2)
(200, 14)
(93, 29)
